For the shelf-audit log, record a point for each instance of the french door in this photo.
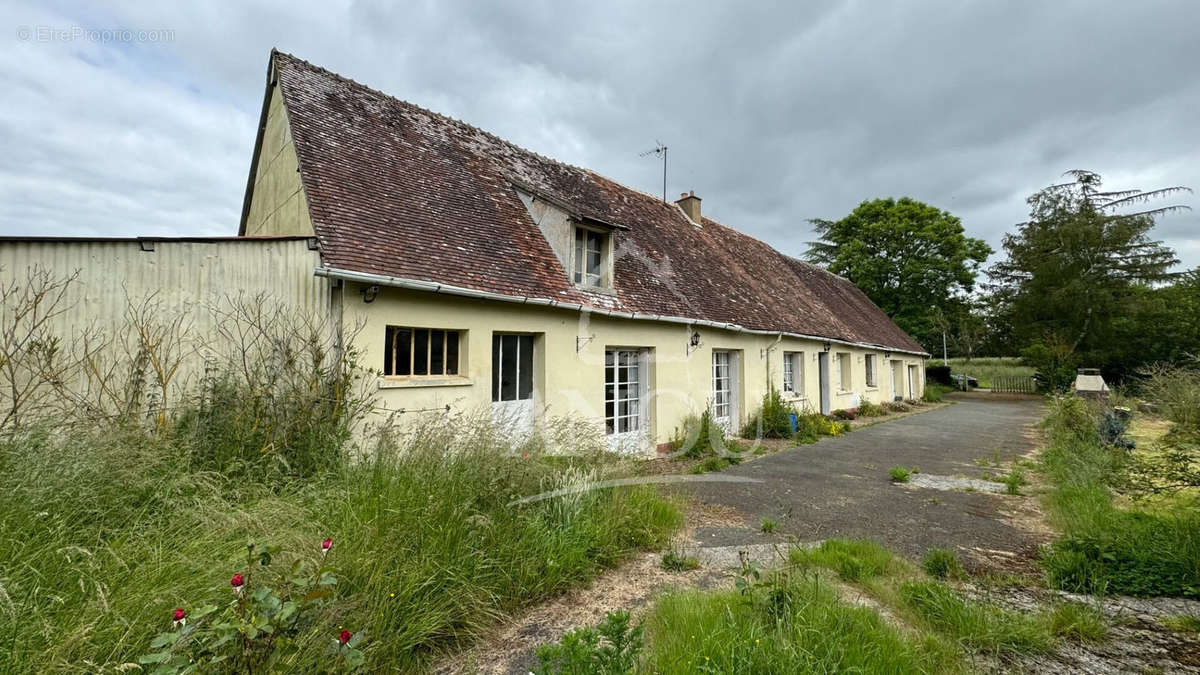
(724, 378)
(626, 389)
(512, 382)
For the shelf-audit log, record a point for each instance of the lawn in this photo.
(986, 369)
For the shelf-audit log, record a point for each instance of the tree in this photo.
(910, 258)
(1076, 272)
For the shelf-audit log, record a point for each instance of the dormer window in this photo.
(591, 253)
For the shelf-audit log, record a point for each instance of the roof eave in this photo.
(437, 287)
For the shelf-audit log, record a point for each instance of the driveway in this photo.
(839, 487)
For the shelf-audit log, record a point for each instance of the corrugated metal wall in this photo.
(183, 276)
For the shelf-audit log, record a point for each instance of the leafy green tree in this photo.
(910, 258)
(1080, 269)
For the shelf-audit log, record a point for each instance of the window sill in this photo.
(792, 396)
(424, 381)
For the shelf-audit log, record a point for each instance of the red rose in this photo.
(237, 580)
(179, 614)
(326, 545)
(345, 636)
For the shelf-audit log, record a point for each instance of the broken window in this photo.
(420, 351)
(589, 257)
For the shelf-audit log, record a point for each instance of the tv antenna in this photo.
(660, 150)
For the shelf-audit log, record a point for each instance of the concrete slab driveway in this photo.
(840, 486)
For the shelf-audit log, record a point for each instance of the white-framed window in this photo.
(844, 364)
(625, 389)
(590, 257)
(420, 352)
(793, 373)
(870, 361)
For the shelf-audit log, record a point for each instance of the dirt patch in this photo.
(934, 482)
(1137, 641)
(509, 648)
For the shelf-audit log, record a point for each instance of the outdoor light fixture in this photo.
(827, 346)
(693, 342)
(370, 293)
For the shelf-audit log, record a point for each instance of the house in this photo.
(483, 275)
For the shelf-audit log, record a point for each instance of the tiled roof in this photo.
(397, 190)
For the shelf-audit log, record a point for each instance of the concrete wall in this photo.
(571, 380)
(278, 205)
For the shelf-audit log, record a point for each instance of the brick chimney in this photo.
(690, 204)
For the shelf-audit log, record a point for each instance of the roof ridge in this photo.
(485, 132)
(434, 113)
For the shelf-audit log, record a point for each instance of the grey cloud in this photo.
(774, 112)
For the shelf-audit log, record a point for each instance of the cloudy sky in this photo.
(774, 113)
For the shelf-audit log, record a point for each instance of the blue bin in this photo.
(792, 420)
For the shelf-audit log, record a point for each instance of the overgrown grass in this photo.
(986, 369)
(852, 560)
(900, 474)
(933, 392)
(797, 626)
(676, 561)
(978, 626)
(1078, 622)
(1182, 623)
(1105, 549)
(941, 563)
(104, 531)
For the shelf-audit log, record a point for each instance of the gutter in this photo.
(435, 287)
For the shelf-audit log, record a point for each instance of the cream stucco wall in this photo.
(570, 381)
(278, 205)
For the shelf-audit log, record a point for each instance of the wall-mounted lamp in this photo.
(370, 293)
(693, 342)
(827, 346)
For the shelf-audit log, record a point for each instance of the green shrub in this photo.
(976, 625)
(1176, 393)
(869, 409)
(942, 563)
(610, 648)
(773, 419)
(767, 526)
(899, 474)
(896, 407)
(1013, 481)
(811, 427)
(700, 436)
